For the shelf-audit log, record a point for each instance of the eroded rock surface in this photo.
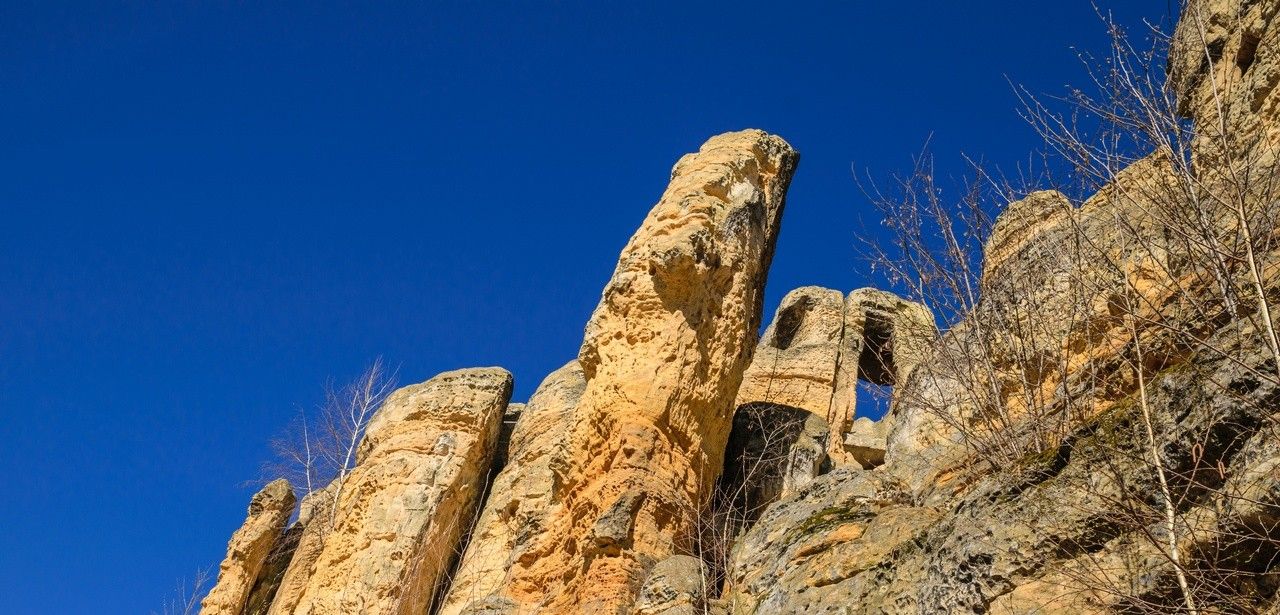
(886, 337)
(796, 361)
(600, 504)
(798, 398)
(821, 343)
(315, 519)
(1079, 305)
(401, 512)
(676, 586)
(523, 493)
(663, 357)
(269, 511)
(1224, 69)
(860, 542)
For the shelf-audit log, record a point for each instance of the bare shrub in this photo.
(186, 597)
(1167, 275)
(991, 356)
(754, 476)
(319, 449)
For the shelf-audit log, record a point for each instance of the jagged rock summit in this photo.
(679, 465)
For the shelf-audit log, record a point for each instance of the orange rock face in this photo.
(403, 509)
(663, 356)
(248, 549)
(522, 495)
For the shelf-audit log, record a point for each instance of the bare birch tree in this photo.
(186, 597)
(320, 449)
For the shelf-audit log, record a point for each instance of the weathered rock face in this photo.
(315, 520)
(830, 530)
(1020, 223)
(401, 512)
(522, 495)
(772, 452)
(269, 511)
(866, 441)
(1225, 65)
(1046, 535)
(889, 336)
(805, 374)
(272, 573)
(1069, 295)
(298, 540)
(821, 344)
(811, 358)
(663, 358)
(1047, 324)
(676, 586)
(796, 361)
(607, 472)
(780, 431)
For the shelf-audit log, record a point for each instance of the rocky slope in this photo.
(1098, 435)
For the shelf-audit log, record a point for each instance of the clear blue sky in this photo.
(210, 209)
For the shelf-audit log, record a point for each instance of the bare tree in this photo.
(1170, 263)
(186, 597)
(320, 449)
(1000, 354)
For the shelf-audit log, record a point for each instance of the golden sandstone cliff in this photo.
(1097, 435)
(269, 511)
(662, 356)
(523, 494)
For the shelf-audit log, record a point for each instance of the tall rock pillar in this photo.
(663, 356)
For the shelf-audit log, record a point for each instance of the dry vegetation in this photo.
(319, 450)
(1169, 275)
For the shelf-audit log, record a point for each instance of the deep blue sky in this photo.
(210, 209)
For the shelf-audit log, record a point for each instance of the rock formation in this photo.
(1020, 223)
(1098, 426)
(315, 519)
(523, 494)
(663, 356)
(1224, 72)
(858, 538)
(821, 344)
(1070, 294)
(274, 569)
(401, 512)
(269, 511)
(676, 586)
(889, 337)
(798, 399)
(798, 358)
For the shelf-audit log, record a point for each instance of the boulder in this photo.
(676, 586)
